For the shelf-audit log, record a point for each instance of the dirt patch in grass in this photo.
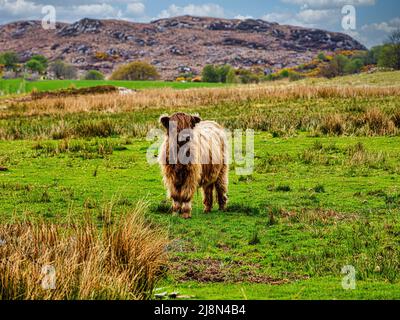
(73, 92)
(315, 216)
(213, 270)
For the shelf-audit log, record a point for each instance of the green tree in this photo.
(331, 69)
(353, 66)
(210, 74)
(63, 70)
(35, 66)
(373, 55)
(138, 70)
(342, 61)
(389, 56)
(42, 59)
(223, 72)
(94, 75)
(9, 59)
(335, 67)
(231, 76)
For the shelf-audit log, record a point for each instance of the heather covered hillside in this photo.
(174, 45)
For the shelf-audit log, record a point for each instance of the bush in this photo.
(321, 57)
(42, 59)
(94, 75)
(246, 76)
(223, 72)
(353, 66)
(35, 66)
(215, 74)
(9, 59)
(210, 74)
(63, 70)
(284, 73)
(295, 76)
(341, 65)
(137, 70)
(341, 61)
(231, 76)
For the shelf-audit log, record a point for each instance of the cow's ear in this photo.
(164, 120)
(196, 119)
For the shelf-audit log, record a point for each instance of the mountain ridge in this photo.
(173, 45)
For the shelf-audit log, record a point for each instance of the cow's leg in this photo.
(187, 194)
(221, 186)
(186, 210)
(174, 194)
(176, 206)
(208, 197)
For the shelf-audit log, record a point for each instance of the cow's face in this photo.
(180, 124)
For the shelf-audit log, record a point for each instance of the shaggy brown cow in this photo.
(193, 155)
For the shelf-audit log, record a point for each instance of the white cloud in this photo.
(329, 4)
(95, 10)
(135, 8)
(387, 27)
(306, 18)
(315, 13)
(209, 10)
(241, 17)
(377, 33)
(280, 17)
(18, 8)
(311, 16)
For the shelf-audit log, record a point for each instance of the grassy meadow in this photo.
(20, 86)
(324, 193)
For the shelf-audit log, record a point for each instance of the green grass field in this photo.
(19, 86)
(315, 202)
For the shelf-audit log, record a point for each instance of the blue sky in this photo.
(376, 19)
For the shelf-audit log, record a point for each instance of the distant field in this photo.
(15, 86)
(390, 78)
(20, 86)
(325, 191)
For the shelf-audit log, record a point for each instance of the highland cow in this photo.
(193, 155)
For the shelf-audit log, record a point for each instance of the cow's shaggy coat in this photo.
(208, 167)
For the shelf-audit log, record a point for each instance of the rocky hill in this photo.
(174, 45)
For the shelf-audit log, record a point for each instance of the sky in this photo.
(374, 19)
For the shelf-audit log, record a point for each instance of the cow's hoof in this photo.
(207, 210)
(186, 215)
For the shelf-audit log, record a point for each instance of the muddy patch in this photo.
(213, 270)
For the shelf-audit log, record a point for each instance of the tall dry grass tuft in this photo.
(123, 259)
(332, 124)
(396, 119)
(378, 123)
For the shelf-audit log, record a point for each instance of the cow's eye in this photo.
(187, 139)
